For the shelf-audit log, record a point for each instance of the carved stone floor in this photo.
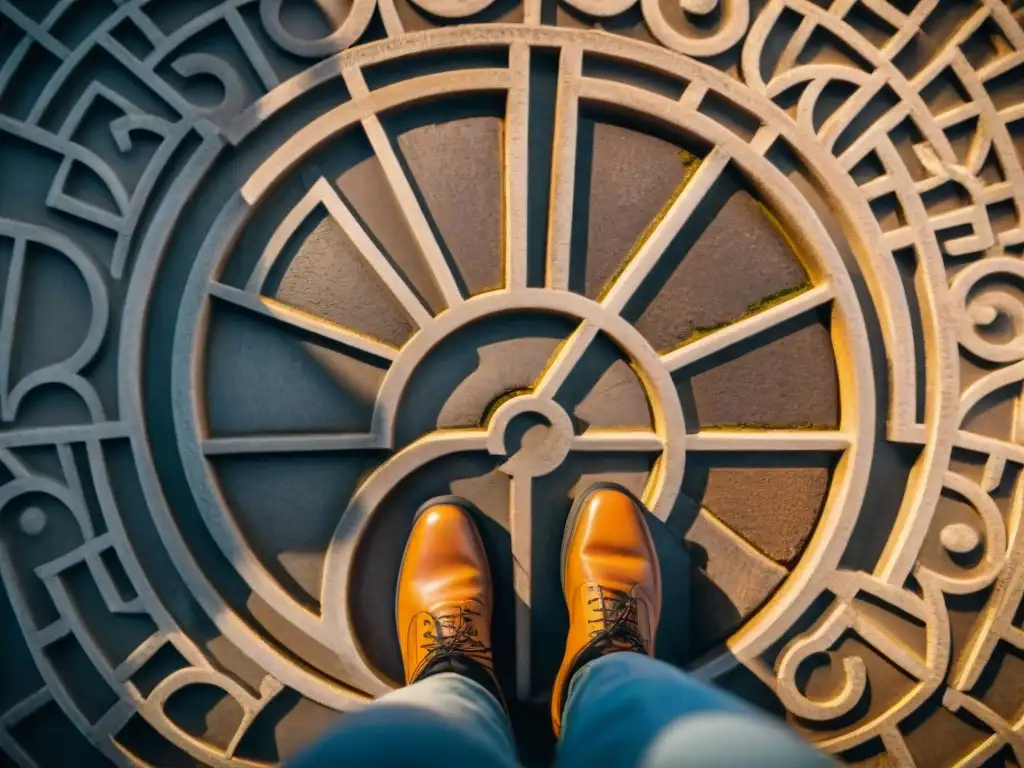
(274, 273)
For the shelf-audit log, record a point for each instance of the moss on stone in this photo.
(749, 426)
(752, 309)
(500, 401)
(690, 165)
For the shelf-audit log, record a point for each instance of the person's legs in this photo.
(612, 703)
(451, 709)
(611, 580)
(627, 709)
(424, 724)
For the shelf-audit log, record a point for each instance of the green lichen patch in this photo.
(690, 165)
(749, 426)
(752, 309)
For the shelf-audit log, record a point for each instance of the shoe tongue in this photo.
(602, 601)
(619, 609)
(449, 619)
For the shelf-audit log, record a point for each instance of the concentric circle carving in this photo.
(272, 276)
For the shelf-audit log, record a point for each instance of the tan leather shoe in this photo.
(444, 603)
(611, 580)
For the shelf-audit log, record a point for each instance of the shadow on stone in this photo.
(459, 380)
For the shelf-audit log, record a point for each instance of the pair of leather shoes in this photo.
(610, 579)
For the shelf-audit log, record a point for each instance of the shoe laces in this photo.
(451, 634)
(619, 623)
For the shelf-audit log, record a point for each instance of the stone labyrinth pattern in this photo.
(275, 273)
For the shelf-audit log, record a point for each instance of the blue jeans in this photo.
(624, 709)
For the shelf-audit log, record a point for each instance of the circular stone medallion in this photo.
(268, 292)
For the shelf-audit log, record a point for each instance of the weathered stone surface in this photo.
(787, 382)
(328, 278)
(738, 240)
(731, 581)
(272, 277)
(366, 188)
(259, 380)
(457, 169)
(775, 509)
(629, 178)
(286, 505)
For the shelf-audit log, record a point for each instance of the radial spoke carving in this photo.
(612, 440)
(825, 375)
(303, 321)
(618, 294)
(297, 443)
(516, 166)
(521, 535)
(565, 359)
(723, 338)
(405, 195)
(767, 440)
(563, 171)
(410, 302)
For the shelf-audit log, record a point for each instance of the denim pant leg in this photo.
(627, 709)
(443, 720)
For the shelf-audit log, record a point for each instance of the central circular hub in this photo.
(535, 432)
(527, 433)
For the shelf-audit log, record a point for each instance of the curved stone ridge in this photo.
(273, 274)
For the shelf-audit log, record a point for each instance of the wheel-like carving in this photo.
(270, 280)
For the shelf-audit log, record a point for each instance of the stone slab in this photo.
(273, 274)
